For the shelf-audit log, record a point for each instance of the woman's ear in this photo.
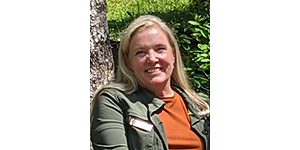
(127, 61)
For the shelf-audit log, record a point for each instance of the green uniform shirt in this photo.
(112, 126)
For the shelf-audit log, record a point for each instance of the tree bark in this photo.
(101, 57)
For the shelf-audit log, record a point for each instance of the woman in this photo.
(150, 105)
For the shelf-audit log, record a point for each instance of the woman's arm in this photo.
(107, 126)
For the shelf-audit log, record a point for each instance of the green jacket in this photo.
(113, 111)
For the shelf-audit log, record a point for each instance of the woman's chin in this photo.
(157, 82)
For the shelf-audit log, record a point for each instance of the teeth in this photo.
(153, 70)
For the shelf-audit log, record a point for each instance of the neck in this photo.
(161, 91)
(164, 93)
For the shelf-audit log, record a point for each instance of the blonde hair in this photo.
(125, 80)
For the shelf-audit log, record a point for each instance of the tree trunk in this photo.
(101, 57)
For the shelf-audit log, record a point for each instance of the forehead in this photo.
(154, 28)
(149, 34)
(148, 38)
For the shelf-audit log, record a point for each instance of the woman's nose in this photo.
(152, 56)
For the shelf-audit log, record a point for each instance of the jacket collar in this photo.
(149, 99)
(192, 106)
(154, 103)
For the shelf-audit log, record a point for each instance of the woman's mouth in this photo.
(153, 70)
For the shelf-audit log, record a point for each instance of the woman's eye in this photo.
(160, 49)
(139, 53)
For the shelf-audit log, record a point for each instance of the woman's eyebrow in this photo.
(138, 48)
(160, 44)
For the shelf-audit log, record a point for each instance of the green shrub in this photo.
(194, 41)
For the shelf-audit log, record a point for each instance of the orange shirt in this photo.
(176, 122)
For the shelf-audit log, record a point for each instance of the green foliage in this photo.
(121, 12)
(194, 41)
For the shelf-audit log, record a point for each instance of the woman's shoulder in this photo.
(110, 92)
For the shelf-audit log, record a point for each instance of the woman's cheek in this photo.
(138, 63)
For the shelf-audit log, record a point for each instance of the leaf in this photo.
(193, 23)
(203, 95)
(202, 46)
(187, 41)
(206, 25)
(185, 29)
(196, 34)
(205, 60)
(198, 38)
(188, 69)
(176, 24)
(204, 67)
(175, 31)
(186, 47)
(197, 59)
(197, 83)
(183, 36)
(202, 33)
(204, 55)
(196, 29)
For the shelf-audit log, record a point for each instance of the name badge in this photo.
(141, 124)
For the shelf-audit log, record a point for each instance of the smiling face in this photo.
(151, 58)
